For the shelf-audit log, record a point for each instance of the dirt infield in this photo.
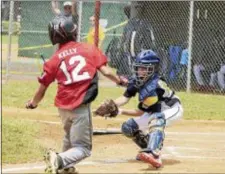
(190, 146)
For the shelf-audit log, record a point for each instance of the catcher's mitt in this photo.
(107, 109)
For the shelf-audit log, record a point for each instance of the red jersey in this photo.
(74, 66)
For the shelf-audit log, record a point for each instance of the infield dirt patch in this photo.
(190, 146)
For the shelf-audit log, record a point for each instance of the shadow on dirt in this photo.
(166, 162)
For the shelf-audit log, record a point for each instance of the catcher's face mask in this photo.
(143, 73)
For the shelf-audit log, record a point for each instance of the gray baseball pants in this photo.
(77, 142)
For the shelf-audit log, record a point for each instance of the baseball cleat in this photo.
(149, 158)
(51, 160)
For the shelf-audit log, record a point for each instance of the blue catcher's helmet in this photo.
(145, 66)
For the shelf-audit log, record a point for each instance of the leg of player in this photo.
(80, 136)
(136, 128)
(66, 142)
(198, 75)
(66, 126)
(212, 79)
(131, 130)
(151, 154)
(157, 123)
(173, 114)
(221, 77)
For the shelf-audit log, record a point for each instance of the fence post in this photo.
(9, 39)
(80, 20)
(190, 35)
(97, 17)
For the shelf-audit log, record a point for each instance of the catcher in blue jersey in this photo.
(158, 107)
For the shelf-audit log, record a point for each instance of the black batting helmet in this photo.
(61, 30)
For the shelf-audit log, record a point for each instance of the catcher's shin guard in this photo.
(140, 139)
(156, 134)
(130, 129)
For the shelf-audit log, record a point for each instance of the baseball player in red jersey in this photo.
(74, 66)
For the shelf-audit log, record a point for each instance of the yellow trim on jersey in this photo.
(150, 101)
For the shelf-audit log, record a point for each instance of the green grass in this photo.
(19, 141)
(196, 106)
(203, 106)
(5, 39)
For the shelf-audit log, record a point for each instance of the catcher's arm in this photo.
(106, 71)
(131, 112)
(121, 101)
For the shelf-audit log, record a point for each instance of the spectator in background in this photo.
(91, 33)
(197, 69)
(137, 36)
(184, 61)
(69, 10)
(164, 59)
(174, 57)
(5, 10)
(207, 67)
(221, 72)
(221, 77)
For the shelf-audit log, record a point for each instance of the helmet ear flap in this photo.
(51, 33)
(62, 30)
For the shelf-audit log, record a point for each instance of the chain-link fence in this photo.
(30, 40)
(188, 36)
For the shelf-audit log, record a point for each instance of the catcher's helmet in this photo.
(61, 30)
(145, 66)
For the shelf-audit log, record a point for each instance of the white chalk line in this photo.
(196, 133)
(22, 169)
(43, 166)
(200, 157)
(169, 133)
(84, 163)
(46, 122)
(193, 148)
(208, 141)
(171, 149)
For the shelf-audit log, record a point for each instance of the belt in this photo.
(172, 101)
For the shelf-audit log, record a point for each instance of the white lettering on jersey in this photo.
(67, 53)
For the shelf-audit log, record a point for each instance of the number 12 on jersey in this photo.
(74, 76)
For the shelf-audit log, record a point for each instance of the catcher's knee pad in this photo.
(156, 133)
(157, 121)
(129, 128)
